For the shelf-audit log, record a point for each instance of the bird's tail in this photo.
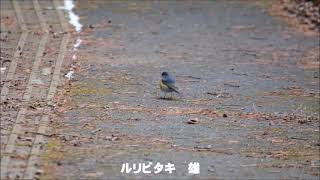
(175, 89)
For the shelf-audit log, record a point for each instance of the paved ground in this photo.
(34, 39)
(244, 76)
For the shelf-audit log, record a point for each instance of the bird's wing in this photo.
(170, 85)
(171, 80)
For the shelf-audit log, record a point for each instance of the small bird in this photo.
(167, 84)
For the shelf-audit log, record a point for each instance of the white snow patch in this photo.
(77, 44)
(73, 18)
(69, 75)
(3, 69)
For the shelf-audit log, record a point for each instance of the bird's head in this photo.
(164, 75)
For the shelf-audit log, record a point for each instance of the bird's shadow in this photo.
(168, 98)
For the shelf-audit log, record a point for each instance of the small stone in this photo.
(211, 168)
(29, 139)
(39, 172)
(95, 131)
(193, 121)
(114, 139)
(108, 138)
(224, 115)
(75, 143)
(46, 71)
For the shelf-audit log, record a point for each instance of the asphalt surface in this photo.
(255, 109)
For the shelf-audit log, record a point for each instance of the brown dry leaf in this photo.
(293, 92)
(277, 10)
(250, 116)
(188, 111)
(19, 157)
(277, 141)
(8, 20)
(311, 60)
(103, 24)
(134, 109)
(89, 126)
(243, 27)
(94, 174)
(177, 55)
(233, 142)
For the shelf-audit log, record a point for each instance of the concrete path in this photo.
(249, 103)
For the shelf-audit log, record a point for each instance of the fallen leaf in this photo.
(233, 142)
(276, 141)
(193, 121)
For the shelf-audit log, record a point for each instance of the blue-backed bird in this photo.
(167, 84)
